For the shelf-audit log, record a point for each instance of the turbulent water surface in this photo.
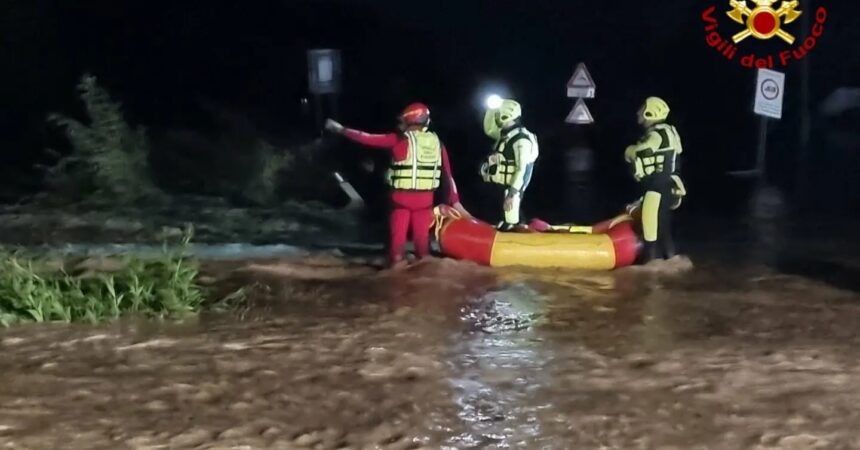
(336, 355)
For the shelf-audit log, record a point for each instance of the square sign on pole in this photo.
(769, 93)
(581, 84)
(324, 71)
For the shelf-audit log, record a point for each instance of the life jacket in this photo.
(660, 161)
(501, 165)
(421, 170)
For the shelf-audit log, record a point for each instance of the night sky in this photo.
(162, 57)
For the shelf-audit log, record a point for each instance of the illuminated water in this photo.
(750, 349)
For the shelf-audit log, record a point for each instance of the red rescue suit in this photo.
(411, 210)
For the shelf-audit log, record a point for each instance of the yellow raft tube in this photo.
(603, 246)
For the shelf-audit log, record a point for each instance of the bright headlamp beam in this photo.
(493, 101)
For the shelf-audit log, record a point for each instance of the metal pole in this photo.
(318, 107)
(805, 119)
(762, 147)
(333, 105)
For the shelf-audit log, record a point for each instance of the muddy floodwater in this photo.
(336, 355)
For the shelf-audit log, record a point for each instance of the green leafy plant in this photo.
(31, 290)
(108, 153)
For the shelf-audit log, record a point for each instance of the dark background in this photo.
(162, 57)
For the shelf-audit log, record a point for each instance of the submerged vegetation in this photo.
(38, 289)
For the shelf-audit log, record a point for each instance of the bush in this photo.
(33, 291)
(263, 187)
(108, 155)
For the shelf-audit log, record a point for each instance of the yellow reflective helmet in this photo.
(497, 119)
(509, 112)
(655, 109)
(490, 128)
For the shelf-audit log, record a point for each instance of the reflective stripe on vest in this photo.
(420, 171)
(662, 159)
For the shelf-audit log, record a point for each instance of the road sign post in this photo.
(769, 94)
(581, 85)
(324, 79)
(324, 71)
(579, 155)
(770, 91)
(762, 149)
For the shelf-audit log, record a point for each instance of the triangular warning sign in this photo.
(581, 77)
(581, 84)
(579, 114)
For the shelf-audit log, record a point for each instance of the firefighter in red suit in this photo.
(419, 164)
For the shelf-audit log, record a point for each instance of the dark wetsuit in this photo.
(654, 160)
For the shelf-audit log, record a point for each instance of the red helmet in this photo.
(415, 114)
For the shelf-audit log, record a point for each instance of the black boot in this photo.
(669, 251)
(649, 252)
(505, 226)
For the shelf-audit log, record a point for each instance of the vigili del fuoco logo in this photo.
(763, 22)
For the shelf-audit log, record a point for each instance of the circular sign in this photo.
(769, 89)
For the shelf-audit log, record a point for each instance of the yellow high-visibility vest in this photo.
(501, 165)
(656, 153)
(421, 170)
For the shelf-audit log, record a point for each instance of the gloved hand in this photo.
(629, 153)
(509, 199)
(633, 206)
(460, 209)
(333, 126)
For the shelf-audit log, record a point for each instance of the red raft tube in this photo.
(606, 245)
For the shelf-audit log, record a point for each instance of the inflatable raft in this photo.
(604, 246)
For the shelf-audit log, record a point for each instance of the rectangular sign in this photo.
(580, 92)
(324, 71)
(769, 93)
